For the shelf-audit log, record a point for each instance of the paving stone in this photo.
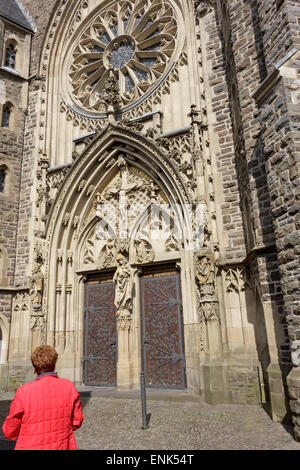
(178, 421)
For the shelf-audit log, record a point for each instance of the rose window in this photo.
(135, 38)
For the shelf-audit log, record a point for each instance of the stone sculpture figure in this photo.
(144, 250)
(37, 317)
(36, 289)
(208, 302)
(205, 275)
(124, 285)
(107, 255)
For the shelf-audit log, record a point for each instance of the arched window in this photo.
(2, 180)
(6, 115)
(10, 56)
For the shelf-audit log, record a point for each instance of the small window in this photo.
(6, 116)
(10, 56)
(2, 180)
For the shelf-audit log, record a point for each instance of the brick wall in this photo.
(222, 126)
(11, 153)
(41, 13)
(280, 28)
(243, 37)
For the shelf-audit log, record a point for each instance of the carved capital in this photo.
(124, 324)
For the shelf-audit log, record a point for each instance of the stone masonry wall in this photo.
(14, 91)
(41, 13)
(219, 108)
(279, 24)
(246, 69)
(280, 117)
(277, 148)
(11, 155)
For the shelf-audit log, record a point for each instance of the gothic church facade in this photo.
(149, 189)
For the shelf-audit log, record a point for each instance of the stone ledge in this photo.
(256, 250)
(12, 289)
(270, 81)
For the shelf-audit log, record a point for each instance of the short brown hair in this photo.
(44, 359)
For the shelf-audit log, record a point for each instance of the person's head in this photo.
(44, 359)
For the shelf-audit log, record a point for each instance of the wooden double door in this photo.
(162, 351)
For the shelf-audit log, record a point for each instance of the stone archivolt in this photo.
(132, 170)
(140, 192)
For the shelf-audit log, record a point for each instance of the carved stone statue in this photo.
(107, 255)
(88, 255)
(37, 316)
(207, 299)
(36, 289)
(124, 285)
(144, 250)
(203, 271)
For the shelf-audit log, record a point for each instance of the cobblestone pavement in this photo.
(178, 421)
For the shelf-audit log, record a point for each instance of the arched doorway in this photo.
(115, 216)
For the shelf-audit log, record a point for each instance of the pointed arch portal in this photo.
(120, 209)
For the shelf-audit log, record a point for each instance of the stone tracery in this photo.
(135, 39)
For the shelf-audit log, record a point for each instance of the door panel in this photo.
(100, 335)
(162, 335)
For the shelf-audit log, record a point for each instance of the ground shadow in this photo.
(5, 444)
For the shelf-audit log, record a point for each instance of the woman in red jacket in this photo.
(44, 413)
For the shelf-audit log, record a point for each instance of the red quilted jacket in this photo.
(44, 415)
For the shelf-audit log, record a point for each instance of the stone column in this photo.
(123, 302)
(124, 365)
(211, 367)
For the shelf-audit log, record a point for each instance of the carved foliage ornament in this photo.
(21, 302)
(238, 279)
(134, 38)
